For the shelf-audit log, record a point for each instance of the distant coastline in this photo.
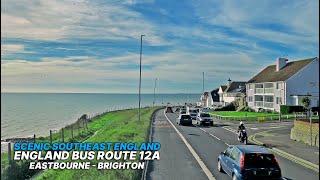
(23, 114)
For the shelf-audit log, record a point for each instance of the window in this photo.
(268, 85)
(260, 160)
(268, 98)
(278, 100)
(250, 98)
(259, 85)
(228, 151)
(235, 154)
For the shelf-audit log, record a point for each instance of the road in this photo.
(177, 161)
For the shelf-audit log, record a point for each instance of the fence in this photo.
(77, 131)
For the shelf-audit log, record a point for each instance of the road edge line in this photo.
(192, 151)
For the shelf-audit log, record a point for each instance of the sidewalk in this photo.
(280, 139)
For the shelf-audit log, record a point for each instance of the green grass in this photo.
(121, 126)
(250, 116)
(242, 114)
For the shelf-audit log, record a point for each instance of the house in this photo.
(233, 91)
(206, 99)
(284, 83)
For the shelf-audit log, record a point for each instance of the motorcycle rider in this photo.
(240, 128)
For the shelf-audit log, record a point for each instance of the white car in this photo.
(193, 113)
(204, 119)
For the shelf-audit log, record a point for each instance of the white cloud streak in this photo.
(177, 67)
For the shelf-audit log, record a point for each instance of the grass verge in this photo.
(121, 126)
(114, 126)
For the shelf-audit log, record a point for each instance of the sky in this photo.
(93, 46)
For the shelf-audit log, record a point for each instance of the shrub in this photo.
(229, 107)
(247, 109)
(284, 109)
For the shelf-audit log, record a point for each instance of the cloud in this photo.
(58, 20)
(287, 22)
(172, 67)
(11, 48)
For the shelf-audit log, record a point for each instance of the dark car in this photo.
(169, 109)
(249, 162)
(184, 119)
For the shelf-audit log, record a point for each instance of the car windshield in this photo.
(205, 115)
(259, 160)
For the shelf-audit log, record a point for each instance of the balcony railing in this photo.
(268, 104)
(258, 103)
(268, 90)
(258, 90)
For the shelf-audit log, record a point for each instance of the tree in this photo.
(306, 102)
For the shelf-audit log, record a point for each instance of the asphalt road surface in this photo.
(178, 162)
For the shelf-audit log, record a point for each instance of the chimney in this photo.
(280, 63)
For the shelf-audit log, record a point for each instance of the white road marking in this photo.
(193, 152)
(254, 128)
(214, 136)
(202, 130)
(231, 130)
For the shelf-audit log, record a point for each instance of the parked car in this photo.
(204, 118)
(193, 113)
(184, 119)
(249, 162)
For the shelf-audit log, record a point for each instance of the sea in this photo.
(25, 114)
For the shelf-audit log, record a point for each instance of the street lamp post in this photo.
(202, 82)
(140, 75)
(154, 91)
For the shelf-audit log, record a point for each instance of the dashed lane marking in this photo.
(214, 136)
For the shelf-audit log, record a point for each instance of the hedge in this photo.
(284, 109)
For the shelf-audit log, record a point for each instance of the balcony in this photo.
(258, 91)
(268, 90)
(258, 103)
(268, 104)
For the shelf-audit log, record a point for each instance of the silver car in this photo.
(204, 119)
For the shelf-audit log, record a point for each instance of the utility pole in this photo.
(202, 82)
(154, 91)
(140, 75)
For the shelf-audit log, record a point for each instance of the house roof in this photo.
(223, 87)
(234, 87)
(269, 74)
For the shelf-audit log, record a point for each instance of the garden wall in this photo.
(301, 132)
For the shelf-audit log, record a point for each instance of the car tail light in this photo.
(274, 160)
(242, 161)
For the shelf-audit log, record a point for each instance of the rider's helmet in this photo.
(241, 123)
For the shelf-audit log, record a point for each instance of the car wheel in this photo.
(211, 123)
(219, 167)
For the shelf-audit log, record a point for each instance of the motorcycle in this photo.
(243, 138)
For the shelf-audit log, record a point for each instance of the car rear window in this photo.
(185, 116)
(205, 115)
(259, 160)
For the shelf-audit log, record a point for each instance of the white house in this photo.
(206, 99)
(284, 83)
(231, 92)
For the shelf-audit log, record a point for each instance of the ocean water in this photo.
(25, 114)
